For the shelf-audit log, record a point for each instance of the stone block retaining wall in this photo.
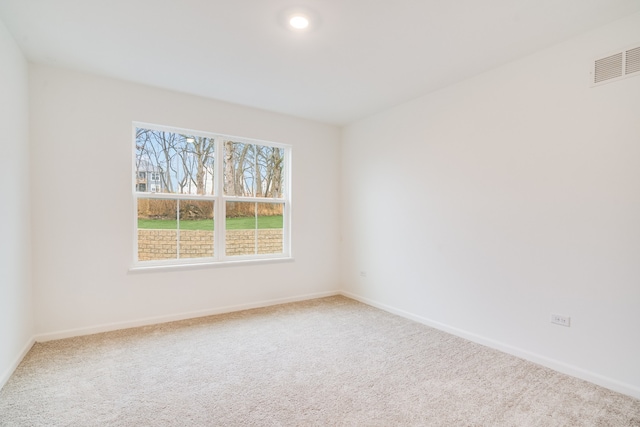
(162, 244)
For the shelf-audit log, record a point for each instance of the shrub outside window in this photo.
(207, 198)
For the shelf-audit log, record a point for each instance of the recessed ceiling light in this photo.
(299, 22)
(298, 19)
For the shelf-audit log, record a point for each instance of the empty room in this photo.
(291, 213)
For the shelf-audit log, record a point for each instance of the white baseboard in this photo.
(106, 327)
(7, 374)
(556, 365)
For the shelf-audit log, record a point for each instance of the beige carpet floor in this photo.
(325, 362)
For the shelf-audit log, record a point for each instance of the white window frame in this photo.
(219, 200)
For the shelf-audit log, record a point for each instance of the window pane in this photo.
(254, 228)
(157, 229)
(196, 228)
(253, 170)
(168, 162)
(270, 228)
(271, 160)
(240, 235)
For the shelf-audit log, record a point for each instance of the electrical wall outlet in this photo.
(560, 320)
(363, 274)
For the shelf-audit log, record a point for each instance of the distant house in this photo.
(149, 178)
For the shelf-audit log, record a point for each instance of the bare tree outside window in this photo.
(184, 163)
(253, 170)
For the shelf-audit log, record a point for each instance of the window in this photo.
(210, 198)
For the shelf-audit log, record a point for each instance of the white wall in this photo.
(486, 206)
(16, 314)
(82, 207)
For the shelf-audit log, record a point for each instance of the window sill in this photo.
(199, 265)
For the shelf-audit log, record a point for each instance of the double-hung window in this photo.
(201, 197)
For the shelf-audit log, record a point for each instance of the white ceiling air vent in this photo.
(616, 66)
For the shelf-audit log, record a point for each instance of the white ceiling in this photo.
(361, 56)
